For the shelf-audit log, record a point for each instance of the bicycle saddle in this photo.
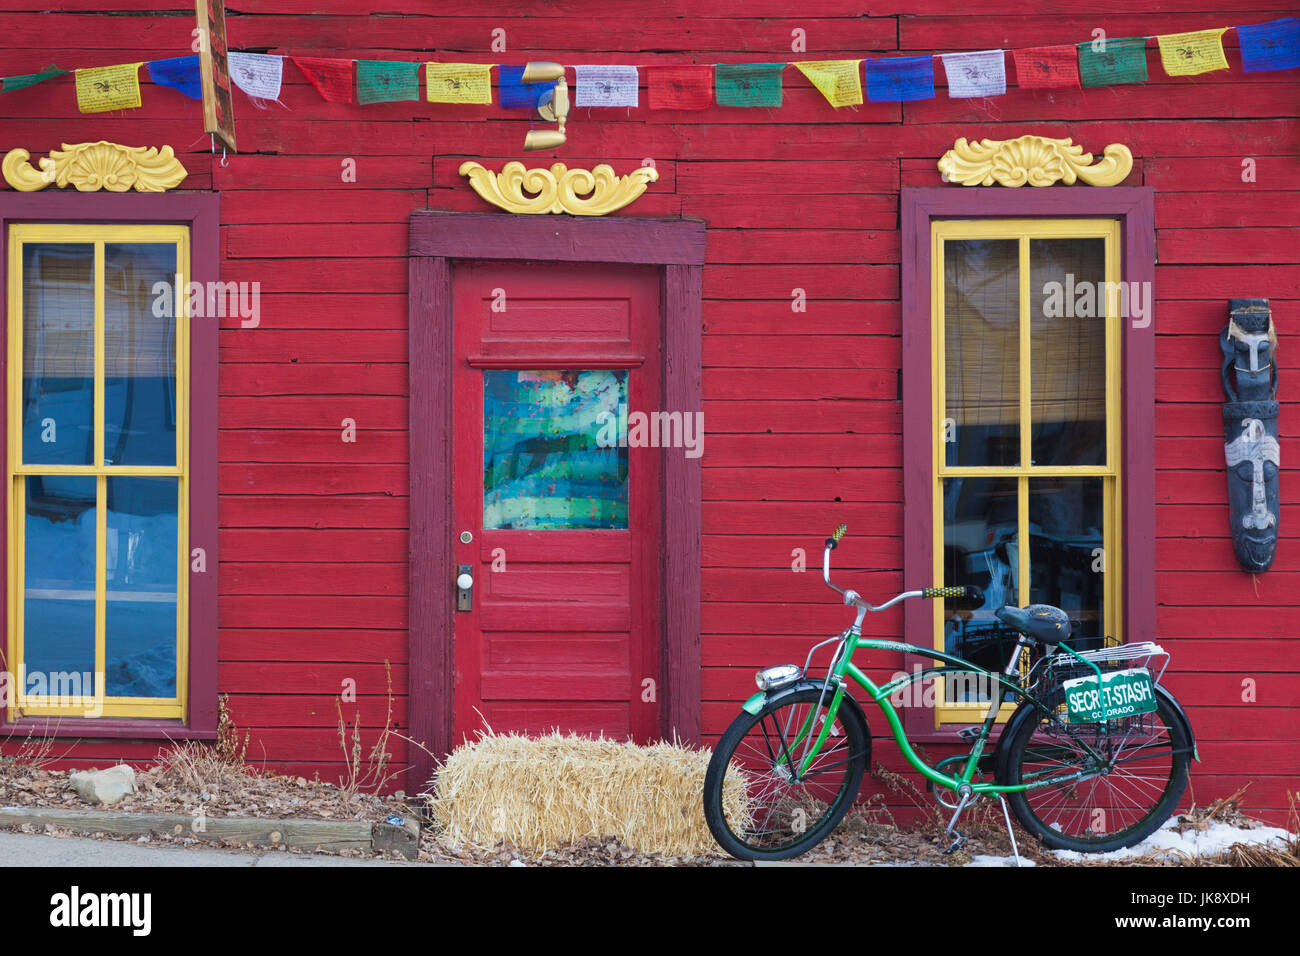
(1038, 622)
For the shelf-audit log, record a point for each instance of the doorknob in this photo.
(464, 587)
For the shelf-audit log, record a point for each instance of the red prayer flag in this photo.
(332, 78)
(1044, 66)
(680, 87)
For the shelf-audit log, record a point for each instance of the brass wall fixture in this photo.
(552, 107)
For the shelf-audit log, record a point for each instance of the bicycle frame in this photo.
(845, 668)
(842, 667)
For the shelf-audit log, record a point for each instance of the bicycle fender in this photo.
(1182, 715)
(763, 698)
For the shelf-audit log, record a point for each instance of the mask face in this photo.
(1253, 458)
(1250, 432)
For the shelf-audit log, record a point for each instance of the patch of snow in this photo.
(984, 859)
(1217, 838)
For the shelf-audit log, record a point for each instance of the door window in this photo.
(553, 454)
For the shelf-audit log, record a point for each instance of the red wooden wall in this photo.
(801, 409)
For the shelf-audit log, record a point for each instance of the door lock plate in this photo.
(464, 596)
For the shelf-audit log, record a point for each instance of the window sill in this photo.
(92, 728)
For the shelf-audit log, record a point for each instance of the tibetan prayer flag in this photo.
(1270, 46)
(680, 87)
(259, 75)
(181, 73)
(838, 80)
(748, 84)
(458, 82)
(976, 74)
(1187, 54)
(332, 78)
(104, 88)
(518, 95)
(1041, 67)
(386, 81)
(1117, 61)
(29, 79)
(606, 85)
(896, 79)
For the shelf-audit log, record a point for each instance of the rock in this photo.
(103, 786)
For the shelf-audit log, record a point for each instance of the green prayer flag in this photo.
(1122, 61)
(29, 79)
(748, 84)
(383, 81)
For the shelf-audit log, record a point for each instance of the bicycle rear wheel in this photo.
(1123, 797)
(756, 806)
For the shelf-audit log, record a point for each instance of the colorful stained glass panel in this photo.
(554, 456)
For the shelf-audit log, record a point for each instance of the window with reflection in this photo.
(98, 470)
(1026, 412)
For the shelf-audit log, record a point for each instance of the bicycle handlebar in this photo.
(962, 592)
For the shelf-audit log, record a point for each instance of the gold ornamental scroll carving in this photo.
(579, 192)
(90, 167)
(1036, 160)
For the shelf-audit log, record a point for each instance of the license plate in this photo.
(1118, 694)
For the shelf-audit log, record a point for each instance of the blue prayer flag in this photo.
(1270, 46)
(181, 73)
(515, 93)
(900, 78)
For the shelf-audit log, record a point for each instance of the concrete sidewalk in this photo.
(24, 849)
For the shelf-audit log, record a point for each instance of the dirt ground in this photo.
(189, 778)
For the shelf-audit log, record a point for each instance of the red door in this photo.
(557, 520)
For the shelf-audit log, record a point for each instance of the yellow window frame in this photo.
(99, 704)
(1025, 230)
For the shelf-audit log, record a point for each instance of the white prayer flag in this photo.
(606, 85)
(975, 74)
(257, 74)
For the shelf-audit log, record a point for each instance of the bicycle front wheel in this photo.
(756, 803)
(1126, 787)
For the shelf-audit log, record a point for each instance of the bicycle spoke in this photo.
(782, 804)
(1116, 795)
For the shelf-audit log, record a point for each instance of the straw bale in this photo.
(539, 793)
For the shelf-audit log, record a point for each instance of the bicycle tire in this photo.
(734, 756)
(1120, 825)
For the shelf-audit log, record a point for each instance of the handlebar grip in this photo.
(967, 591)
(834, 539)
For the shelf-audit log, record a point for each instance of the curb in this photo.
(298, 834)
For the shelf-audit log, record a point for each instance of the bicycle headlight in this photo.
(774, 678)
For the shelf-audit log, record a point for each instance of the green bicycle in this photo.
(1094, 758)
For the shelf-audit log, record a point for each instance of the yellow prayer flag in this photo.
(840, 81)
(458, 82)
(104, 88)
(1187, 54)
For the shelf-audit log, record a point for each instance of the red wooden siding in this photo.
(802, 409)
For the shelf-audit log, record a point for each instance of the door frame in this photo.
(437, 240)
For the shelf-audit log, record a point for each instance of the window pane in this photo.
(544, 466)
(59, 584)
(1065, 541)
(1068, 351)
(139, 354)
(980, 547)
(981, 302)
(58, 353)
(140, 645)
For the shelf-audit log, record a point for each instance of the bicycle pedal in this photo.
(969, 733)
(958, 842)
